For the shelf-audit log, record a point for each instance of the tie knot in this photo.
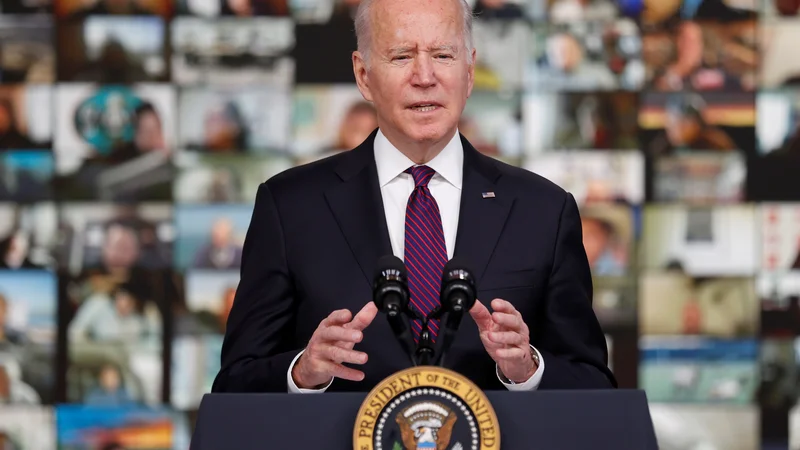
(422, 175)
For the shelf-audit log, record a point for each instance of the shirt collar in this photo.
(391, 162)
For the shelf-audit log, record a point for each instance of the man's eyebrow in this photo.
(400, 49)
(447, 47)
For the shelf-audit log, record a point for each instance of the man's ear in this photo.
(362, 75)
(471, 71)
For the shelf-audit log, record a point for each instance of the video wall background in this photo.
(134, 134)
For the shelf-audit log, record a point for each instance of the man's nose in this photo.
(424, 72)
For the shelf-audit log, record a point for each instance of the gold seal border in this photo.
(396, 384)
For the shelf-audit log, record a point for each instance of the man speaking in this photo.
(303, 319)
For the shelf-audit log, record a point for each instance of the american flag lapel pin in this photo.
(487, 194)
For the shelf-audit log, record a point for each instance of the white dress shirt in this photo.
(445, 186)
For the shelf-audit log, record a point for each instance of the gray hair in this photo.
(364, 36)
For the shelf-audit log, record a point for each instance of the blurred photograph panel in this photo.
(80, 427)
(700, 241)
(234, 8)
(780, 373)
(232, 51)
(699, 179)
(568, 11)
(211, 236)
(598, 120)
(71, 10)
(706, 54)
(116, 341)
(779, 236)
(115, 238)
(675, 369)
(609, 235)
(26, 176)
(772, 172)
(772, 9)
(681, 122)
(27, 427)
(235, 120)
(779, 38)
(674, 303)
(113, 49)
(658, 13)
(26, 48)
(509, 10)
(779, 296)
(324, 40)
(585, 56)
(204, 179)
(28, 236)
(594, 177)
(34, 7)
(707, 427)
(199, 328)
(114, 143)
(28, 337)
(492, 122)
(327, 119)
(615, 302)
(26, 116)
(502, 47)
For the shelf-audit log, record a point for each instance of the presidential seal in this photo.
(426, 408)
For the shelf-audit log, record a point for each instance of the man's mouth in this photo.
(424, 107)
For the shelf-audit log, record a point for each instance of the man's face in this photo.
(420, 74)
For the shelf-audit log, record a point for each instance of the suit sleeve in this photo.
(257, 351)
(569, 337)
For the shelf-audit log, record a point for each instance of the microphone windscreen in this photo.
(455, 264)
(390, 263)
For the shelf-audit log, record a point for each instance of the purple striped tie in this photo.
(425, 251)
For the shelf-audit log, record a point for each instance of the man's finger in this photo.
(481, 315)
(340, 333)
(345, 373)
(364, 317)
(341, 355)
(338, 317)
(507, 337)
(503, 306)
(509, 321)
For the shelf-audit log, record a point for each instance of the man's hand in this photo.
(331, 345)
(506, 338)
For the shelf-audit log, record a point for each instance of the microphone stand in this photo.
(448, 333)
(399, 325)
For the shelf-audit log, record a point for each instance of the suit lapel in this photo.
(481, 217)
(357, 205)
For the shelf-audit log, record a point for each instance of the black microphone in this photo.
(390, 294)
(457, 297)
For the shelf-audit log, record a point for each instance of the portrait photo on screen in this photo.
(772, 173)
(199, 328)
(80, 427)
(114, 326)
(699, 178)
(706, 426)
(779, 295)
(233, 8)
(72, 10)
(609, 233)
(232, 51)
(700, 241)
(590, 56)
(113, 49)
(502, 47)
(28, 236)
(28, 337)
(492, 122)
(680, 122)
(707, 55)
(26, 116)
(674, 303)
(246, 119)
(780, 236)
(32, 7)
(224, 179)
(778, 42)
(694, 369)
(615, 302)
(114, 142)
(26, 176)
(598, 120)
(26, 49)
(211, 236)
(327, 119)
(594, 176)
(780, 370)
(115, 237)
(24, 427)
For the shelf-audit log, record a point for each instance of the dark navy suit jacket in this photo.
(316, 235)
